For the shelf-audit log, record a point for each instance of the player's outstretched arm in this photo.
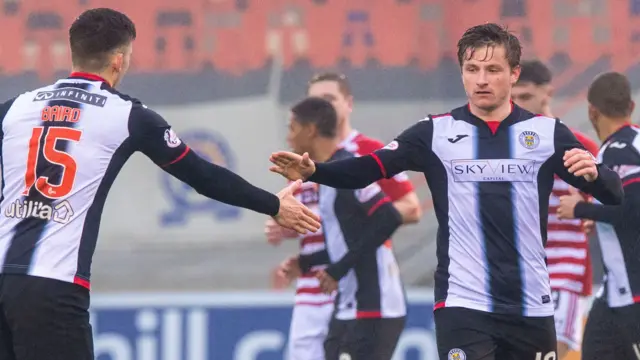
(575, 165)
(150, 134)
(407, 152)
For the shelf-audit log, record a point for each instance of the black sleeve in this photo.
(613, 214)
(406, 152)
(153, 136)
(607, 188)
(305, 261)
(382, 221)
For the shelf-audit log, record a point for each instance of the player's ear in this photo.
(117, 61)
(515, 74)
(632, 106)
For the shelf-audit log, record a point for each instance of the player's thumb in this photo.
(305, 158)
(295, 186)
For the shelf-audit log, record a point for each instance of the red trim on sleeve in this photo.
(631, 181)
(382, 169)
(380, 202)
(438, 305)
(184, 153)
(82, 282)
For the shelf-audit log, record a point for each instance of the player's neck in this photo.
(344, 130)
(608, 126)
(546, 111)
(323, 149)
(109, 78)
(498, 114)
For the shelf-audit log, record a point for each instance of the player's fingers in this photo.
(300, 229)
(586, 171)
(574, 158)
(312, 215)
(580, 164)
(310, 223)
(277, 169)
(570, 153)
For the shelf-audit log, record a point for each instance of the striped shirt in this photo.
(568, 258)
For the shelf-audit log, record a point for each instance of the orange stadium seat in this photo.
(393, 26)
(429, 34)
(12, 47)
(325, 28)
(238, 36)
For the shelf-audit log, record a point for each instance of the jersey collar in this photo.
(621, 128)
(87, 76)
(506, 122)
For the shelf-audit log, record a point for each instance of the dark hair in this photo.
(490, 35)
(95, 34)
(317, 111)
(340, 79)
(610, 93)
(534, 71)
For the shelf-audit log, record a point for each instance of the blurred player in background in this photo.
(613, 326)
(62, 147)
(567, 246)
(370, 304)
(313, 308)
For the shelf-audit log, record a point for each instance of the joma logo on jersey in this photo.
(60, 213)
(73, 94)
(516, 170)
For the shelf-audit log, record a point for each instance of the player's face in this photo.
(531, 97)
(330, 91)
(299, 137)
(487, 77)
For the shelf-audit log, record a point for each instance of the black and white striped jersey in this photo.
(490, 183)
(618, 227)
(62, 147)
(357, 226)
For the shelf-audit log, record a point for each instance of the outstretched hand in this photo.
(291, 165)
(293, 214)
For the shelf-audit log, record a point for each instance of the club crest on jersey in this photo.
(184, 200)
(456, 354)
(392, 145)
(529, 139)
(171, 138)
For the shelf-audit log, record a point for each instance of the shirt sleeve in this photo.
(382, 221)
(613, 214)
(607, 188)
(153, 136)
(407, 152)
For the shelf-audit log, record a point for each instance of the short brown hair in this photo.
(340, 79)
(95, 34)
(490, 35)
(317, 111)
(610, 93)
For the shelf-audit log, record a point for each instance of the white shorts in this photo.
(569, 318)
(309, 328)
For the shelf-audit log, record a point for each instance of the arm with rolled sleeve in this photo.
(153, 136)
